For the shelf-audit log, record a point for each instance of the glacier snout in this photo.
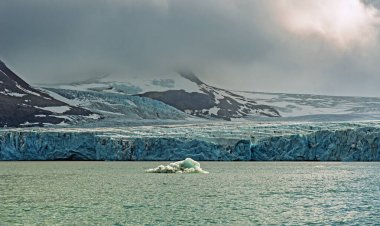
(359, 144)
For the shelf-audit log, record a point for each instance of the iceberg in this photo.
(186, 166)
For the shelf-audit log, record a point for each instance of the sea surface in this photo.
(234, 193)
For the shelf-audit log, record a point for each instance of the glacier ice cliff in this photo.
(90, 146)
(361, 144)
(348, 144)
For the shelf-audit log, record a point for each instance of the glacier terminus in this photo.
(219, 141)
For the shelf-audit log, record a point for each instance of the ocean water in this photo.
(234, 193)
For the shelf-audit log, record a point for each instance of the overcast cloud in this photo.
(294, 46)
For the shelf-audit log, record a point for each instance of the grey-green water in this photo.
(234, 193)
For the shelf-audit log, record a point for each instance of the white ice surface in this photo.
(143, 84)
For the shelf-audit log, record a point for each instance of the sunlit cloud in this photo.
(344, 23)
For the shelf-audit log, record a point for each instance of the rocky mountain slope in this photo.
(211, 102)
(23, 105)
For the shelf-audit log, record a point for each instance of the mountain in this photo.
(211, 102)
(179, 96)
(175, 96)
(23, 105)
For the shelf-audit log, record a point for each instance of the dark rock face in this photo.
(183, 100)
(21, 104)
(211, 102)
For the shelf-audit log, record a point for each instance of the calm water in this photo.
(250, 193)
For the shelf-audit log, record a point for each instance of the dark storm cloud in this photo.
(239, 44)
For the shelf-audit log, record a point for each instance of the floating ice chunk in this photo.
(186, 166)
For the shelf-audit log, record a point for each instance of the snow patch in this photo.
(8, 93)
(27, 91)
(93, 116)
(62, 124)
(16, 94)
(29, 123)
(214, 110)
(3, 74)
(72, 102)
(56, 109)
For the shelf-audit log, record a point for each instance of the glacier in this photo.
(116, 104)
(206, 142)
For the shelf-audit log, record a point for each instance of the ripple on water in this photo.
(120, 193)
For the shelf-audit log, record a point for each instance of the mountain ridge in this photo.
(23, 105)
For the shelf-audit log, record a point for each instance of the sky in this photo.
(293, 46)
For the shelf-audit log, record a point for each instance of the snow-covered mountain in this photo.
(319, 107)
(184, 92)
(173, 95)
(23, 105)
